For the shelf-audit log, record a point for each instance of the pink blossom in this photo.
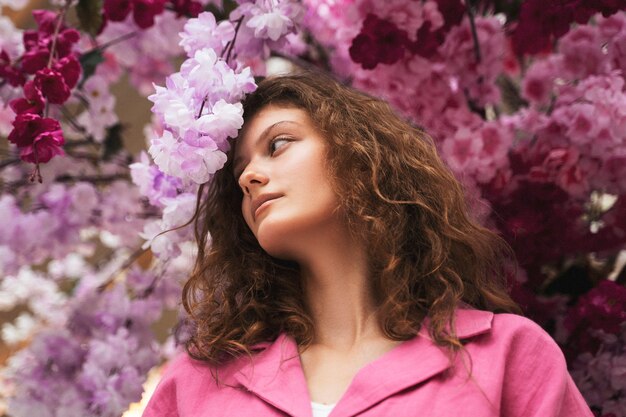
(153, 183)
(476, 75)
(462, 150)
(538, 81)
(582, 52)
(272, 20)
(224, 121)
(579, 119)
(203, 32)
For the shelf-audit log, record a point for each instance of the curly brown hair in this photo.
(427, 255)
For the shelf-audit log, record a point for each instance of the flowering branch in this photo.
(470, 15)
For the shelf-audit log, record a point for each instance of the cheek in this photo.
(245, 211)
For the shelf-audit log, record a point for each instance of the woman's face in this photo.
(288, 199)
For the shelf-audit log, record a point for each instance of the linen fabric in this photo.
(510, 368)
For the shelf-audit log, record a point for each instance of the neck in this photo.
(338, 292)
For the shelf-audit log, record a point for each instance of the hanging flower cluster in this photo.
(49, 58)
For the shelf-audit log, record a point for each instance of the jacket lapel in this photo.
(275, 375)
(408, 364)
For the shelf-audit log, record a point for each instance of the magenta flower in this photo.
(52, 85)
(39, 139)
(70, 69)
(117, 10)
(9, 72)
(604, 308)
(188, 8)
(32, 102)
(144, 11)
(380, 42)
(35, 59)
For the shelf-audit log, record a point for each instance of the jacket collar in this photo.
(275, 375)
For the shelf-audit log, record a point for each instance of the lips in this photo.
(257, 202)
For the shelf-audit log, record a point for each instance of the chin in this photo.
(288, 235)
(274, 243)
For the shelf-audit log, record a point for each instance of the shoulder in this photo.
(184, 380)
(524, 338)
(506, 335)
(515, 358)
(164, 401)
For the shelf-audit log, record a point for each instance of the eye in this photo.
(277, 143)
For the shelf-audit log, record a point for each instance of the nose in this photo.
(252, 176)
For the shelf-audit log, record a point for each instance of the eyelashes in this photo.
(273, 146)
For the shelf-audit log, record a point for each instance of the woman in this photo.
(344, 276)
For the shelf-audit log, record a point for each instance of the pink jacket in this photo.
(516, 371)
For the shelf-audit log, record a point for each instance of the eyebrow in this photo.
(262, 136)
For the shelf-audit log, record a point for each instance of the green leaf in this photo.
(90, 15)
(89, 62)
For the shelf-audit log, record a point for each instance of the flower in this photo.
(39, 139)
(379, 41)
(203, 32)
(32, 102)
(144, 11)
(52, 85)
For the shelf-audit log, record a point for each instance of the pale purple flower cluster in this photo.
(51, 226)
(153, 183)
(204, 32)
(95, 365)
(40, 299)
(95, 358)
(199, 110)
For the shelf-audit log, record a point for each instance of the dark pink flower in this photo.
(144, 11)
(427, 41)
(31, 39)
(9, 72)
(188, 8)
(452, 12)
(52, 85)
(46, 20)
(380, 41)
(538, 22)
(32, 102)
(602, 308)
(27, 127)
(46, 146)
(35, 59)
(65, 42)
(70, 69)
(117, 10)
(39, 139)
